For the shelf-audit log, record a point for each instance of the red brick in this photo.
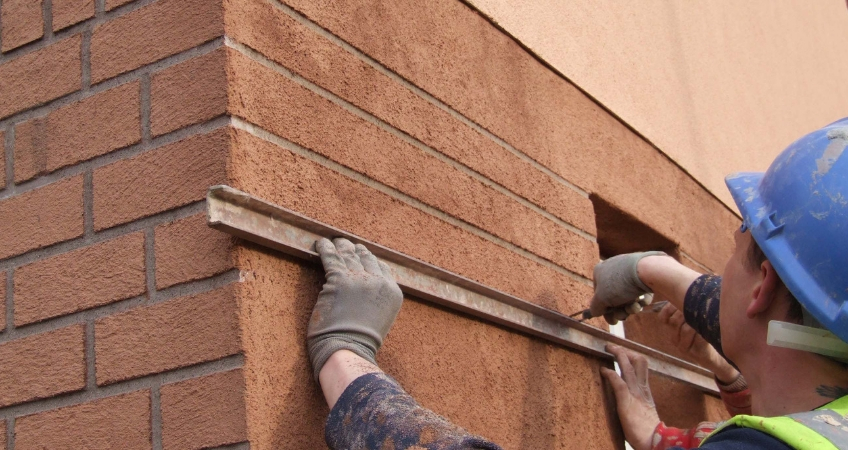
(189, 93)
(275, 34)
(70, 12)
(280, 177)
(41, 217)
(22, 22)
(151, 33)
(204, 412)
(283, 107)
(81, 279)
(77, 132)
(43, 365)
(177, 333)
(112, 4)
(40, 76)
(161, 179)
(121, 422)
(188, 250)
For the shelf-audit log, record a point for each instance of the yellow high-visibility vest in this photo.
(825, 428)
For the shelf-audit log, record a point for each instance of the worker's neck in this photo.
(785, 381)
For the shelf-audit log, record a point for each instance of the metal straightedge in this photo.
(255, 220)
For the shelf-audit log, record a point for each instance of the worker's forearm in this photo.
(339, 371)
(666, 277)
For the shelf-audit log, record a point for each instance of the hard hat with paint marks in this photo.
(797, 211)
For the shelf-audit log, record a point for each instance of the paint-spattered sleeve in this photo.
(375, 413)
(700, 308)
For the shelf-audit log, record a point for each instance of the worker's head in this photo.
(791, 258)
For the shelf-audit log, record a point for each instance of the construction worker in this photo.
(779, 313)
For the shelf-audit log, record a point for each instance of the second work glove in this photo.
(618, 287)
(356, 307)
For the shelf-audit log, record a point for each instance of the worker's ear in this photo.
(765, 291)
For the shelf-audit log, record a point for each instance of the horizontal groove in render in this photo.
(267, 136)
(405, 137)
(278, 228)
(303, 20)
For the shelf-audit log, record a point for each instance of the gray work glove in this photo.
(356, 307)
(618, 287)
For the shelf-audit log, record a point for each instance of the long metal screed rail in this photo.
(278, 228)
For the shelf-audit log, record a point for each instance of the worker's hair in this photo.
(754, 259)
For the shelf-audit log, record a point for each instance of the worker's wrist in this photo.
(732, 383)
(341, 369)
(727, 375)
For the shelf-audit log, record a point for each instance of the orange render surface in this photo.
(417, 125)
(719, 87)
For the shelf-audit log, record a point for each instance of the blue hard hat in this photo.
(797, 212)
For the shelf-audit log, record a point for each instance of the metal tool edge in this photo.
(256, 220)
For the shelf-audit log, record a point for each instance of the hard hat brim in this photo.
(744, 187)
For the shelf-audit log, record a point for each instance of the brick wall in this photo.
(120, 318)
(419, 125)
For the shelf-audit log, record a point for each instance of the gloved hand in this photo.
(634, 402)
(618, 287)
(356, 307)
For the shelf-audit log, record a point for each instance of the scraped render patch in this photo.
(420, 126)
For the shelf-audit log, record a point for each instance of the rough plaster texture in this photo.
(509, 387)
(719, 87)
(301, 116)
(278, 36)
(443, 140)
(681, 406)
(450, 51)
(298, 183)
(333, 117)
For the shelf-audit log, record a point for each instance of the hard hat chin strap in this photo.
(808, 339)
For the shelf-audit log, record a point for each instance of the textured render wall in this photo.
(719, 86)
(421, 126)
(418, 126)
(120, 323)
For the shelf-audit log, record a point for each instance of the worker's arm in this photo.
(353, 314)
(620, 280)
(637, 412)
(666, 278)
(732, 386)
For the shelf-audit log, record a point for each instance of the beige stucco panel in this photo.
(718, 86)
